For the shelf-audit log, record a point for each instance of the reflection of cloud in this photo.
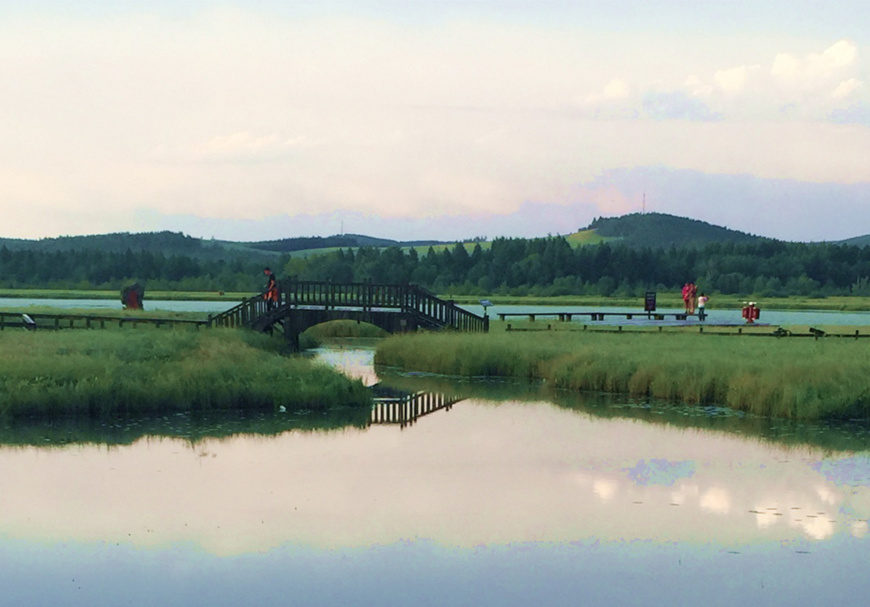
(478, 474)
(605, 489)
(716, 500)
(660, 472)
(818, 528)
(677, 106)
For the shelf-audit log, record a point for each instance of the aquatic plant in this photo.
(789, 378)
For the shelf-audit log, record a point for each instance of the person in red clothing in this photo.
(271, 293)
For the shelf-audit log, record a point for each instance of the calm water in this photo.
(715, 316)
(114, 304)
(494, 501)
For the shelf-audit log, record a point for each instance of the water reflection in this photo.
(479, 474)
(544, 498)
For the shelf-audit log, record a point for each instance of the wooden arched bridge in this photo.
(392, 307)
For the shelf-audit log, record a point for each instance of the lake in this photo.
(509, 496)
(714, 316)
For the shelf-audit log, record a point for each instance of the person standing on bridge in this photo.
(271, 293)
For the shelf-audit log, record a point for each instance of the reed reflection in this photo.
(474, 473)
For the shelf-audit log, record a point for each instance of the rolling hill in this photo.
(659, 230)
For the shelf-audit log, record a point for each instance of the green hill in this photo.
(659, 230)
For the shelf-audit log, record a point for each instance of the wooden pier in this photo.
(599, 316)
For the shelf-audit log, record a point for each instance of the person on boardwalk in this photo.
(702, 306)
(693, 295)
(271, 293)
(685, 294)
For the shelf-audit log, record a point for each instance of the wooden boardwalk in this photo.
(596, 316)
(27, 320)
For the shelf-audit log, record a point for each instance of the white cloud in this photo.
(785, 66)
(846, 88)
(817, 68)
(732, 81)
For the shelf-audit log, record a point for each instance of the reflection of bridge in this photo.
(405, 408)
(394, 308)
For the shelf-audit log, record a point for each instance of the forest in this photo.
(505, 266)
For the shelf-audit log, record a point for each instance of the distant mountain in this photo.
(166, 243)
(176, 243)
(857, 241)
(659, 230)
(288, 245)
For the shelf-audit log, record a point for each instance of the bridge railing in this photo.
(409, 299)
(406, 298)
(243, 314)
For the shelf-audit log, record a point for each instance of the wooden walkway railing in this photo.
(27, 320)
(405, 409)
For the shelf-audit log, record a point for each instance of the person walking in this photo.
(702, 306)
(271, 293)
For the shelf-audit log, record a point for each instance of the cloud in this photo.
(846, 88)
(244, 144)
(733, 80)
(676, 105)
(816, 68)
(616, 89)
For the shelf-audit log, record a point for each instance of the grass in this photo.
(788, 378)
(131, 372)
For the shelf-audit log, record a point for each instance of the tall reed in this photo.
(791, 378)
(103, 372)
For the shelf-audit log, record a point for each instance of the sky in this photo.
(432, 119)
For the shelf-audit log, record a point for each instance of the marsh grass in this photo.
(128, 372)
(789, 378)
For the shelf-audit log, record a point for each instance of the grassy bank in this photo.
(798, 379)
(143, 372)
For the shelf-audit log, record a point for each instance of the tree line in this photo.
(505, 266)
(108, 270)
(551, 266)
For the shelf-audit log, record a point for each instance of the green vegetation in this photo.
(659, 231)
(790, 378)
(614, 257)
(552, 267)
(345, 329)
(132, 372)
